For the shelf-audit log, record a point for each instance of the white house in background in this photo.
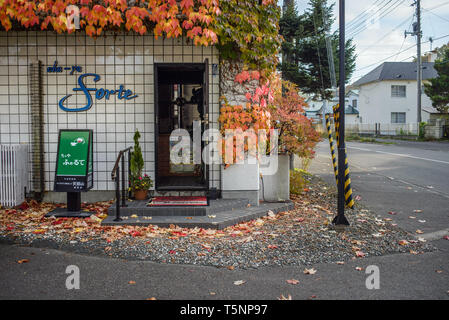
(315, 107)
(388, 93)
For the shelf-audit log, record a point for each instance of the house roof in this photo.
(351, 110)
(397, 71)
(429, 109)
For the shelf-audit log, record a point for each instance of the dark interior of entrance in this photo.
(179, 102)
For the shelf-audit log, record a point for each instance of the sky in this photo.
(383, 37)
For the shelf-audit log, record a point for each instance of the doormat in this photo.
(178, 201)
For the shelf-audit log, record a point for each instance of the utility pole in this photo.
(340, 219)
(417, 32)
(418, 39)
(330, 61)
(286, 5)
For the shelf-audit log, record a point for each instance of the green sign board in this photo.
(74, 165)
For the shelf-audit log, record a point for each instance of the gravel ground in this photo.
(303, 236)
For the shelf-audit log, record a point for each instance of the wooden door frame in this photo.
(156, 67)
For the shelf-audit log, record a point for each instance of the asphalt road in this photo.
(400, 178)
(44, 277)
(408, 179)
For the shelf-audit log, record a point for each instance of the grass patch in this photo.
(355, 137)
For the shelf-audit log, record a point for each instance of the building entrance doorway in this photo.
(180, 103)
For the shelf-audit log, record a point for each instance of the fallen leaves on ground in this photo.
(360, 254)
(292, 281)
(289, 297)
(239, 282)
(272, 234)
(23, 261)
(309, 271)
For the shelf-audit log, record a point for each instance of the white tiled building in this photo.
(125, 59)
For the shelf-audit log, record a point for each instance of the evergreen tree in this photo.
(438, 88)
(304, 52)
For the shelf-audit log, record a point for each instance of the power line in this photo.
(404, 38)
(406, 58)
(373, 64)
(368, 14)
(388, 33)
(437, 6)
(436, 14)
(358, 18)
(386, 12)
(398, 26)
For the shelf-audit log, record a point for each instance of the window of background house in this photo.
(398, 117)
(354, 103)
(398, 91)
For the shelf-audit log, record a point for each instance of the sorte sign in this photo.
(74, 165)
(100, 93)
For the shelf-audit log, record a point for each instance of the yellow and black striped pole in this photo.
(332, 146)
(347, 186)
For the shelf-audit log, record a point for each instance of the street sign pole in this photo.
(340, 219)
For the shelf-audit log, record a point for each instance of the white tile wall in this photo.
(121, 59)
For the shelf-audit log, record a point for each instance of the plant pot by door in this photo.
(140, 194)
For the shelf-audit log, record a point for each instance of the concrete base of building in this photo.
(251, 195)
(90, 196)
(276, 187)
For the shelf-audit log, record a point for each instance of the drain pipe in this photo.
(37, 129)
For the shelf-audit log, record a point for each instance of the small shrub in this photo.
(297, 181)
(422, 127)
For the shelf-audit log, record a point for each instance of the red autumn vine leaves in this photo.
(271, 103)
(169, 18)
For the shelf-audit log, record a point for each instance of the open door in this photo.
(180, 104)
(205, 122)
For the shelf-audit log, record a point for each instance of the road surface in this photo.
(399, 178)
(409, 179)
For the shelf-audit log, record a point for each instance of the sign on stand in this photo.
(74, 165)
(74, 169)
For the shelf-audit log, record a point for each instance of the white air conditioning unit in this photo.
(14, 177)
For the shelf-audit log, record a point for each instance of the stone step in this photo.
(140, 208)
(220, 220)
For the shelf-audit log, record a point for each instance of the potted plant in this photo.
(140, 184)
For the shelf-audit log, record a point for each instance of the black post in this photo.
(123, 182)
(73, 201)
(117, 195)
(340, 219)
(129, 173)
